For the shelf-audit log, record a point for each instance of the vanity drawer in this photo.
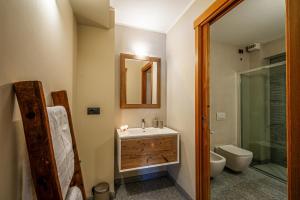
(143, 152)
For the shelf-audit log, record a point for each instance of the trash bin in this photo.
(101, 191)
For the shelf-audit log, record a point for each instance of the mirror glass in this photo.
(140, 81)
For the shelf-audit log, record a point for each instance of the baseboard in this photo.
(111, 194)
(179, 188)
(140, 178)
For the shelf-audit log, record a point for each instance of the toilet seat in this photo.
(235, 151)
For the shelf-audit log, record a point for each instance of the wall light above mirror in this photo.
(139, 81)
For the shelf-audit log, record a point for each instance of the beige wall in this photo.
(127, 40)
(95, 87)
(134, 80)
(224, 64)
(36, 43)
(181, 92)
(154, 83)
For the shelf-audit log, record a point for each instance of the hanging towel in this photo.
(62, 145)
(74, 193)
(28, 192)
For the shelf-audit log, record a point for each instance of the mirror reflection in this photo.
(140, 81)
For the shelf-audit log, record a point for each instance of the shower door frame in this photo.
(202, 137)
(239, 109)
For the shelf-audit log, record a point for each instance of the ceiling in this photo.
(155, 15)
(251, 21)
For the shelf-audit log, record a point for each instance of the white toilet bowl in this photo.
(217, 164)
(237, 159)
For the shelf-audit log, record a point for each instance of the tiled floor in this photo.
(157, 189)
(249, 185)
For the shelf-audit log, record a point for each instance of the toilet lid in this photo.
(235, 150)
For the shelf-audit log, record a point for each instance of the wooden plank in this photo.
(218, 9)
(60, 98)
(293, 97)
(198, 113)
(202, 109)
(206, 112)
(32, 105)
(202, 114)
(148, 151)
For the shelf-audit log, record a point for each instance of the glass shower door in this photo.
(263, 122)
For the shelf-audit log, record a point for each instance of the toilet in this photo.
(217, 164)
(237, 159)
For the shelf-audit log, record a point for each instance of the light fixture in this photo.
(140, 50)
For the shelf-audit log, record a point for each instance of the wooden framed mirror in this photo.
(203, 37)
(140, 81)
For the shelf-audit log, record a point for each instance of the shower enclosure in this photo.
(263, 118)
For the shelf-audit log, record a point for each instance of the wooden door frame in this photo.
(144, 71)
(202, 138)
(123, 93)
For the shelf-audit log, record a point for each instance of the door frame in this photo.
(144, 70)
(202, 137)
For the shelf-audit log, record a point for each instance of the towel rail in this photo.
(30, 96)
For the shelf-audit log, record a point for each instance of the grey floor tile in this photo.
(157, 189)
(249, 185)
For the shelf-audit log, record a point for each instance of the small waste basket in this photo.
(101, 191)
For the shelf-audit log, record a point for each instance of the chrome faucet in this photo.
(143, 123)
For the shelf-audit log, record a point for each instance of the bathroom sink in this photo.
(144, 148)
(139, 132)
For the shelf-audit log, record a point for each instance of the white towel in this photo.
(62, 145)
(74, 193)
(28, 192)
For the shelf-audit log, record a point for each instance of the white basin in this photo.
(139, 132)
(217, 164)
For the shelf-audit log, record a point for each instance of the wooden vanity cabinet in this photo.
(145, 152)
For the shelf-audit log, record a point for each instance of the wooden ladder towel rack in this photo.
(34, 114)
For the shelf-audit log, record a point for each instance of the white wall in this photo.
(271, 48)
(37, 42)
(181, 92)
(95, 87)
(224, 94)
(224, 64)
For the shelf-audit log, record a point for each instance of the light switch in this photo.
(93, 110)
(221, 116)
